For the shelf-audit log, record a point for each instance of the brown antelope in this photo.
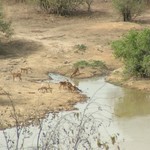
(73, 88)
(62, 84)
(44, 89)
(75, 72)
(16, 75)
(25, 70)
(69, 86)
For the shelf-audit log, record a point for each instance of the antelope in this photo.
(25, 70)
(16, 75)
(68, 85)
(73, 88)
(44, 89)
(75, 72)
(62, 84)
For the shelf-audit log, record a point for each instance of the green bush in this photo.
(92, 63)
(97, 63)
(80, 47)
(129, 9)
(62, 7)
(134, 50)
(81, 64)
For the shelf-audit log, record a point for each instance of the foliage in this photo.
(129, 9)
(81, 64)
(97, 63)
(134, 49)
(4, 25)
(63, 7)
(80, 47)
(93, 64)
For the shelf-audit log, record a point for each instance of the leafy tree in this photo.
(134, 49)
(129, 9)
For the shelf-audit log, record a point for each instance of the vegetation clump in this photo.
(63, 7)
(129, 9)
(93, 64)
(134, 50)
(80, 48)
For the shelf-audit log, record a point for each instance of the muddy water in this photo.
(131, 108)
(134, 119)
(126, 111)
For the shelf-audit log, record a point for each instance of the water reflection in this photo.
(133, 103)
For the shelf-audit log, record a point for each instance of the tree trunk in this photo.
(126, 15)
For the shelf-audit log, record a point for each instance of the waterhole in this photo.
(123, 112)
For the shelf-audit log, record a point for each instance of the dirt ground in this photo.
(46, 43)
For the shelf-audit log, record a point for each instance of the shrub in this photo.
(81, 64)
(129, 8)
(93, 64)
(62, 7)
(97, 63)
(80, 47)
(134, 49)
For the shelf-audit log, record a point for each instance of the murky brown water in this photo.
(132, 109)
(133, 103)
(136, 132)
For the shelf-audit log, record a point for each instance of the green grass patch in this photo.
(92, 63)
(97, 63)
(81, 64)
(80, 48)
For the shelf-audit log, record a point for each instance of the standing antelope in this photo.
(44, 89)
(75, 72)
(25, 70)
(16, 75)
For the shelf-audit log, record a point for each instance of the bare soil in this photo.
(46, 43)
